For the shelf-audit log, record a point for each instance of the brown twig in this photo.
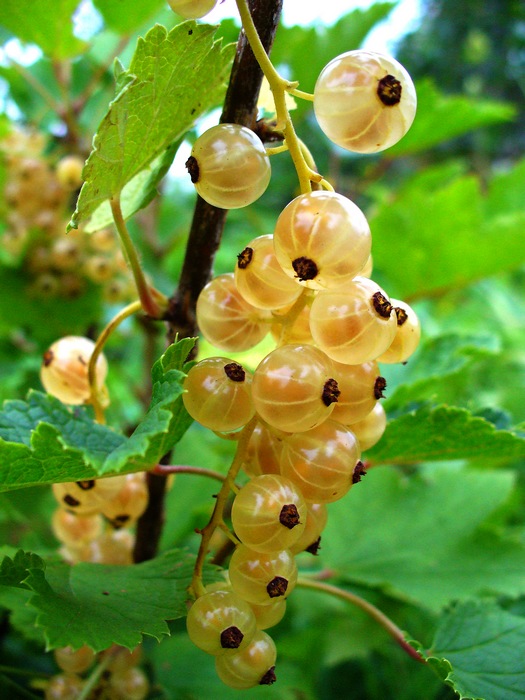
(240, 106)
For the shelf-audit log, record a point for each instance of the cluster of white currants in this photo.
(37, 194)
(315, 397)
(122, 679)
(93, 517)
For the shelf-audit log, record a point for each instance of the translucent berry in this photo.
(131, 501)
(260, 279)
(263, 453)
(217, 394)
(73, 660)
(88, 496)
(270, 615)
(260, 577)
(74, 530)
(229, 166)
(64, 371)
(293, 388)
(322, 240)
(250, 667)
(115, 547)
(192, 9)
(355, 324)
(298, 332)
(321, 461)
(407, 335)
(65, 686)
(364, 101)
(129, 684)
(226, 320)
(269, 513)
(361, 386)
(221, 622)
(69, 171)
(370, 429)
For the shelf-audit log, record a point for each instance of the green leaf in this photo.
(449, 222)
(100, 605)
(123, 17)
(174, 77)
(42, 441)
(478, 650)
(138, 192)
(442, 117)
(49, 25)
(444, 433)
(425, 537)
(166, 420)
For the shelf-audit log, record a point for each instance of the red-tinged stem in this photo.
(165, 469)
(386, 623)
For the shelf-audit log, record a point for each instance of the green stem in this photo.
(99, 345)
(95, 676)
(393, 630)
(216, 520)
(18, 690)
(279, 87)
(21, 671)
(153, 302)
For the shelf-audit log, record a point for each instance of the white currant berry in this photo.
(361, 386)
(260, 279)
(229, 166)
(370, 429)
(64, 371)
(251, 666)
(293, 388)
(407, 335)
(322, 240)
(217, 394)
(269, 513)
(355, 324)
(262, 577)
(226, 319)
(192, 9)
(364, 101)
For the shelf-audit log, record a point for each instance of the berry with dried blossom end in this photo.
(364, 101)
(217, 394)
(229, 166)
(250, 667)
(407, 335)
(64, 371)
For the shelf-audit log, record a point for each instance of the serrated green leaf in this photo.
(442, 117)
(444, 433)
(100, 605)
(174, 77)
(14, 571)
(48, 25)
(123, 17)
(424, 537)
(42, 441)
(478, 651)
(450, 222)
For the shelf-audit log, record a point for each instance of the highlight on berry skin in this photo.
(364, 101)
(229, 166)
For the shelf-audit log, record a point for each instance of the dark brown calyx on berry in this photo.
(234, 372)
(359, 472)
(71, 501)
(382, 305)
(231, 638)
(379, 387)
(331, 392)
(193, 168)
(244, 258)
(305, 269)
(389, 90)
(269, 677)
(289, 516)
(401, 315)
(314, 547)
(277, 587)
(48, 357)
(119, 521)
(86, 485)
